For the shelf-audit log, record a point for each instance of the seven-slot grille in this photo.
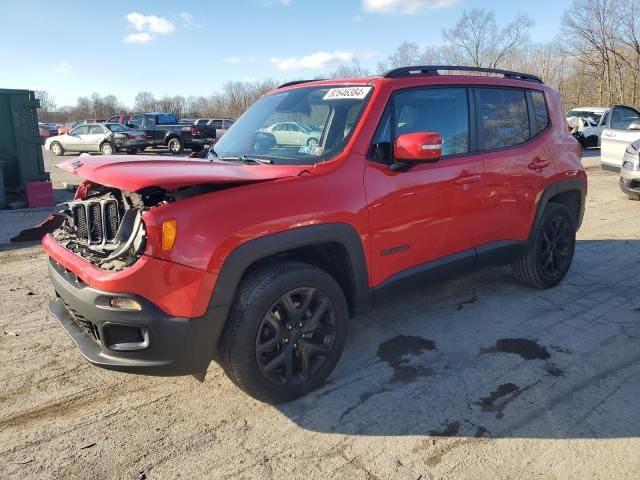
(96, 222)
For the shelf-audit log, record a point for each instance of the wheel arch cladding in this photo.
(570, 192)
(335, 248)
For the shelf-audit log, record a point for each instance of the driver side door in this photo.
(73, 142)
(432, 211)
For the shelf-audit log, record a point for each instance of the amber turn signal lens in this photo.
(124, 304)
(169, 233)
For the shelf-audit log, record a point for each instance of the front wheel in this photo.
(312, 142)
(57, 149)
(106, 149)
(175, 146)
(285, 332)
(550, 250)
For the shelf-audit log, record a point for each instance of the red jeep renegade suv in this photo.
(321, 195)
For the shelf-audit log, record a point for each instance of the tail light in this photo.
(194, 131)
(130, 137)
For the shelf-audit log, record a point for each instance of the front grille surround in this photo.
(96, 222)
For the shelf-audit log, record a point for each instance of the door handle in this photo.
(538, 164)
(467, 179)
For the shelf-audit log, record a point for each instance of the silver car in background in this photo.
(106, 138)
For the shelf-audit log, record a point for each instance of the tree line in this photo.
(595, 60)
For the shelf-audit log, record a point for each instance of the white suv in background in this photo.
(622, 129)
(586, 124)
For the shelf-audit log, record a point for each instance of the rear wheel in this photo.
(57, 149)
(285, 331)
(550, 251)
(633, 196)
(175, 146)
(106, 148)
(312, 142)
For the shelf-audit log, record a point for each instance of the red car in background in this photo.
(123, 119)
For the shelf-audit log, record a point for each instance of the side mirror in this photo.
(418, 147)
(634, 126)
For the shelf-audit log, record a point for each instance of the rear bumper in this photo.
(147, 341)
(609, 167)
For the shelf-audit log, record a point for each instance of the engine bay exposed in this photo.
(106, 228)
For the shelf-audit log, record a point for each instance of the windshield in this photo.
(302, 126)
(585, 114)
(117, 128)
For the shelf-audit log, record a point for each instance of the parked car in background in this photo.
(630, 172)
(220, 124)
(259, 257)
(69, 126)
(586, 124)
(164, 130)
(123, 119)
(622, 129)
(106, 138)
(44, 133)
(294, 133)
(51, 128)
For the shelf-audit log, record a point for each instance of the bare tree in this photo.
(145, 102)
(352, 70)
(47, 101)
(481, 43)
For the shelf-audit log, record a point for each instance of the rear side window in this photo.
(503, 119)
(95, 130)
(167, 119)
(228, 123)
(540, 112)
(216, 123)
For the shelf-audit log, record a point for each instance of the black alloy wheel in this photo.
(556, 247)
(296, 336)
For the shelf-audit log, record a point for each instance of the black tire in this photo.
(550, 252)
(312, 142)
(107, 148)
(634, 196)
(196, 148)
(141, 149)
(58, 152)
(313, 336)
(175, 146)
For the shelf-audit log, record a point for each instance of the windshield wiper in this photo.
(246, 159)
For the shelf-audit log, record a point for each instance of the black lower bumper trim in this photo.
(172, 346)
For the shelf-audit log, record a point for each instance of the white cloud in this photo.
(142, 37)
(271, 3)
(232, 60)
(188, 21)
(63, 67)
(148, 26)
(314, 61)
(407, 7)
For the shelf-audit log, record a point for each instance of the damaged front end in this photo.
(105, 226)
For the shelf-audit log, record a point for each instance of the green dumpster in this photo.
(20, 143)
(3, 198)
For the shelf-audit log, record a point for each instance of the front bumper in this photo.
(630, 181)
(147, 341)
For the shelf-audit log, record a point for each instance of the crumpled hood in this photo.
(132, 173)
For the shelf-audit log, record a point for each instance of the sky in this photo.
(189, 47)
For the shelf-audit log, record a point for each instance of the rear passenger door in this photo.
(622, 129)
(513, 124)
(432, 210)
(91, 141)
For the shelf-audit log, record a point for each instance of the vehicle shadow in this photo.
(486, 357)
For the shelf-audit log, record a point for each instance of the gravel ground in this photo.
(480, 378)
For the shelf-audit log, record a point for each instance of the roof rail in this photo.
(433, 70)
(298, 82)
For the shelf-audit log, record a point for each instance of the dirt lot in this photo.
(481, 378)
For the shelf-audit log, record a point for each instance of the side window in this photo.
(279, 127)
(503, 119)
(81, 130)
(137, 120)
(605, 119)
(540, 111)
(95, 130)
(440, 110)
(217, 123)
(622, 117)
(202, 121)
(228, 123)
(150, 120)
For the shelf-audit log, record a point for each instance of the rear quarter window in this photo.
(503, 118)
(540, 112)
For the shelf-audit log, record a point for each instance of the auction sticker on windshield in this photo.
(352, 93)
